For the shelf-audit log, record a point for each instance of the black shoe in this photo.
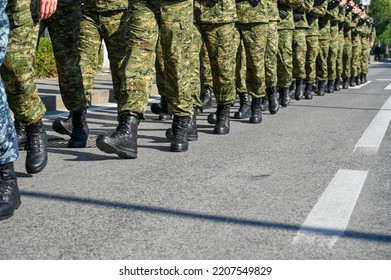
(292, 89)
(244, 109)
(284, 97)
(308, 94)
(345, 83)
(299, 89)
(192, 133)
(161, 109)
(212, 118)
(80, 130)
(264, 103)
(179, 129)
(206, 97)
(330, 86)
(357, 80)
(223, 123)
(62, 126)
(322, 88)
(337, 84)
(20, 132)
(352, 82)
(364, 78)
(123, 141)
(9, 191)
(37, 155)
(271, 94)
(256, 115)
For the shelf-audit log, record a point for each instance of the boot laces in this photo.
(34, 138)
(123, 125)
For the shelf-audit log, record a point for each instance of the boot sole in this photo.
(36, 170)
(9, 215)
(110, 149)
(57, 127)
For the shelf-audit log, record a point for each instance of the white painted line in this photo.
(386, 80)
(388, 87)
(373, 135)
(331, 214)
(360, 86)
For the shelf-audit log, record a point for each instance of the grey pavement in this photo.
(243, 195)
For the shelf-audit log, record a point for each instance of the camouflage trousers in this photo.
(240, 72)
(271, 55)
(172, 21)
(312, 54)
(321, 60)
(347, 57)
(341, 42)
(333, 53)
(206, 71)
(356, 56)
(64, 26)
(17, 70)
(364, 54)
(95, 27)
(284, 58)
(8, 139)
(299, 53)
(253, 36)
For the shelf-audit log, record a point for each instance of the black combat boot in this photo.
(37, 155)
(179, 129)
(123, 141)
(9, 191)
(206, 97)
(256, 114)
(357, 80)
(284, 97)
(20, 132)
(80, 130)
(345, 83)
(364, 78)
(352, 82)
(337, 84)
(299, 89)
(308, 91)
(292, 89)
(63, 126)
(271, 94)
(161, 109)
(192, 133)
(244, 109)
(223, 123)
(322, 88)
(330, 86)
(264, 103)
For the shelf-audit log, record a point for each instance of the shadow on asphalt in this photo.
(383, 238)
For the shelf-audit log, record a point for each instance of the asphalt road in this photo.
(298, 186)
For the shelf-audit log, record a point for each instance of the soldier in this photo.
(64, 27)
(19, 78)
(300, 46)
(339, 63)
(356, 47)
(365, 44)
(368, 43)
(253, 25)
(9, 191)
(347, 49)
(312, 38)
(101, 21)
(146, 21)
(284, 55)
(241, 88)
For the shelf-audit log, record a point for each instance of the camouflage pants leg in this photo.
(241, 69)
(284, 58)
(365, 55)
(64, 26)
(333, 53)
(271, 55)
(159, 69)
(299, 53)
(347, 57)
(206, 71)
(321, 60)
(356, 53)
(8, 139)
(312, 54)
(340, 53)
(195, 67)
(222, 42)
(254, 42)
(17, 70)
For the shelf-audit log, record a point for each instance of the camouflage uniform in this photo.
(356, 47)
(240, 75)
(347, 49)
(334, 44)
(17, 70)
(64, 26)
(8, 139)
(271, 45)
(339, 62)
(365, 39)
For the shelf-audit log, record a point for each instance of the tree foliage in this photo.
(380, 11)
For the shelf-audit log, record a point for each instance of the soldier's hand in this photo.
(46, 8)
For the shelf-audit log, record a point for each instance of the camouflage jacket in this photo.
(215, 11)
(286, 13)
(318, 10)
(106, 5)
(247, 13)
(272, 9)
(299, 13)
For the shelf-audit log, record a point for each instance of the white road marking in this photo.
(360, 86)
(388, 87)
(330, 216)
(373, 135)
(383, 80)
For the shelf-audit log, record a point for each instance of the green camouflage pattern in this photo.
(356, 54)
(173, 20)
(271, 55)
(347, 56)
(272, 10)
(299, 53)
(284, 58)
(321, 60)
(206, 71)
(64, 26)
(241, 70)
(215, 11)
(106, 5)
(312, 54)
(333, 52)
(341, 41)
(287, 22)
(17, 70)
(304, 8)
(317, 10)
(247, 13)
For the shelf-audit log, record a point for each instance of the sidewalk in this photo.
(102, 92)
